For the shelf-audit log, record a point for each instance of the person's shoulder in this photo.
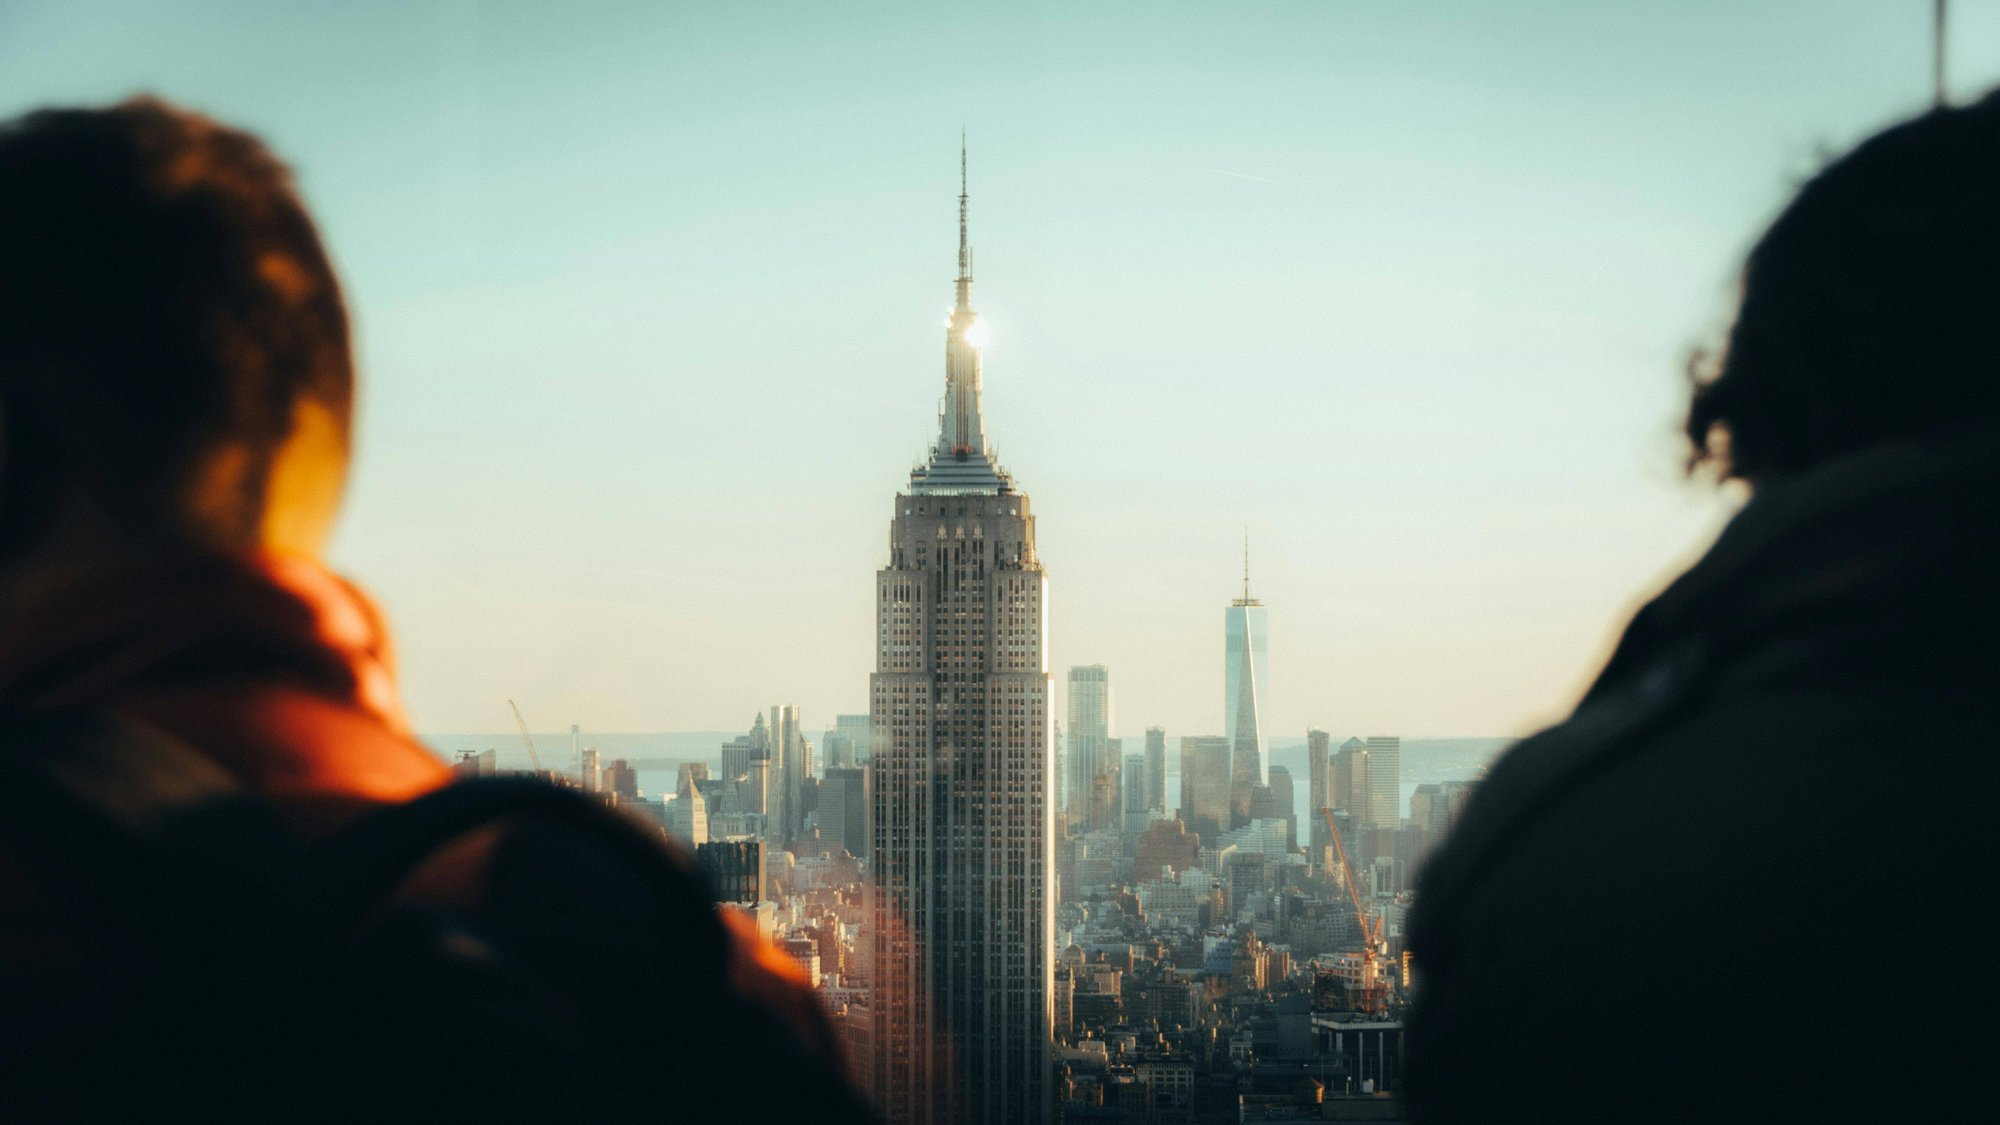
(1540, 773)
(321, 757)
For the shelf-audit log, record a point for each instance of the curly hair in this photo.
(162, 292)
(1870, 308)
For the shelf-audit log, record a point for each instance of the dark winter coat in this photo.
(1748, 879)
(529, 970)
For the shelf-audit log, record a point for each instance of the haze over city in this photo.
(649, 321)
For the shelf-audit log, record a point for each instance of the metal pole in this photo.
(1937, 53)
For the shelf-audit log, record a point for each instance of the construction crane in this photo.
(1367, 990)
(526, 739)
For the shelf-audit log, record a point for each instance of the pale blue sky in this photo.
(649, 304)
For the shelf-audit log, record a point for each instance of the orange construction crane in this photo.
(526, 739)
(1368, 991)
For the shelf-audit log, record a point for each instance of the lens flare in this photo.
(977, 334)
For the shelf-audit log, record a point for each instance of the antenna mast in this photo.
(1246, 599)
(1937, 53)
(964, 245)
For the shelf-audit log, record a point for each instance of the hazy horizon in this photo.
(510, 740)
(1422, 759)
(647, 299)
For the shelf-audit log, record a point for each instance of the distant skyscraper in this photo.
(1089, 734)
(1106, 788)
(1347, 779)
(761, 796)
(1205, 785)
(765, 773)
(1285, 801)
(1246, 676)
(736, 757)
(843, 811)
(690, 773)
(1134, 784)
(622, 781)
(855, 727)
(1319, 790)
(1156, 769)
(687, 814)
(962, 973)
(1263, 803)
(790, 766)
(839, 751)
(1385, 781)
(588, 770)
(1133, 816)
(1428, 809)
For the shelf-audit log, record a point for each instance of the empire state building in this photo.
(962, 969)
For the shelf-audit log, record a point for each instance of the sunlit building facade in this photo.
(962, 972)
(1384, 799)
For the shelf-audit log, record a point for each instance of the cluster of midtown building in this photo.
(1208, 964)
(1011, 924)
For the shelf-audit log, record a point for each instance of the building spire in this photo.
(961, 432)
(1246, 599)
(964, 246)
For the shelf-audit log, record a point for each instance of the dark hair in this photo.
(1871, 308)
(162, 293)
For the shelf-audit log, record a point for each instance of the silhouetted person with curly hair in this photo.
(1746, 880)
(232, 885)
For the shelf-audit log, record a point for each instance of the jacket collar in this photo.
(185, 619)
(1888, 541)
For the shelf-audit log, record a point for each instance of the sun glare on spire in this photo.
(976, 333)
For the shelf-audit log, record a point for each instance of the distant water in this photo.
(1426, 761)
(657, 756)
(668, 748)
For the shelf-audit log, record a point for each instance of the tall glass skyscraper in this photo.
(1384, 801)
(963, 969)
(1089, 739)
(789, 761)
(1246, 674)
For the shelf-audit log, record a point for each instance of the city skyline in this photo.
(1408, 294)
(1405, 301)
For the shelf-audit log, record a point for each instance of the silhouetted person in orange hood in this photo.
(195, 714)
(1743, 882)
